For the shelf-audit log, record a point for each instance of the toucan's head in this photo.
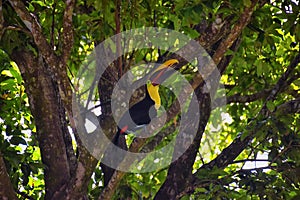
(156, 78)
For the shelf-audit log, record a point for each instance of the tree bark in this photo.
(48, 112)
(7, 191)
(179, 174)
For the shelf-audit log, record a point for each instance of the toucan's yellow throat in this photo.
(154, 95)
(153, 84)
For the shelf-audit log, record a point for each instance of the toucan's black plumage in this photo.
(141, 113)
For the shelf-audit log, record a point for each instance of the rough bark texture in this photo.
(108, 125)
(7, 191)
(48, 113)
(171, 187)
(57, 64)
(180, 171)
(50, 94)
(230, 153)
(67, 176)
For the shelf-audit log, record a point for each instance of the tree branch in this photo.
(239, 98)
(108, 192)
(1, 20)
(230, 153)
(48, 112)
(283, 84)
(68, 38)
(118, 37)
(227, 43)
(136, 146)
(284, 78)
(234, 33)
(68, 41)
(289, 107)
(292, 106)
(78, 185)
(172, 186)
(32, 24)
(57, 67)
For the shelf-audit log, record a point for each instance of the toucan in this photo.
(141, 113)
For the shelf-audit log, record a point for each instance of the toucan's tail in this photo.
(120, 141)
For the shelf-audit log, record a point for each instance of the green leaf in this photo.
(297, 82)
(247, 3)
(202, 190)
(244, 135)
(260, 67)
(41, 3)
(8, 84)
(6, 73)
(16, 140)
(271, 106)
(15, 73)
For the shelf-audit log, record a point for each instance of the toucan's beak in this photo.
(159, 74)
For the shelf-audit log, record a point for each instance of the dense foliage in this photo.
(247, 149)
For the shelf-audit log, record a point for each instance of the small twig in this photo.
(250, 160)
(289, 107)
(235, 32)
(237, 146)
(282, 152)
(282, 81)
(1, 20)
(17, 28)
(24, 195)
(197, 80)
(118, 37)
(201, 158)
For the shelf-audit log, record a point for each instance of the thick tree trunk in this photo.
(48, 113)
